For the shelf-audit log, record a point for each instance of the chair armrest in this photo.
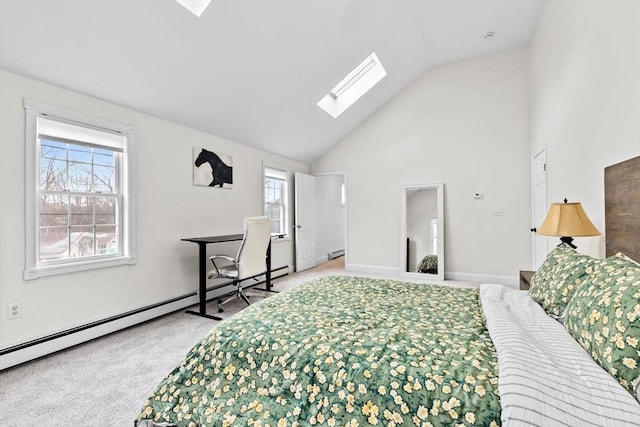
(221, 257)
(228, 258)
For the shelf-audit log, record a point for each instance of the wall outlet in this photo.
(497, 212)
(14, 310)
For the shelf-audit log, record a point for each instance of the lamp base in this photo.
(569, 241)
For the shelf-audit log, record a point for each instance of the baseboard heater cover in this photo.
(335, 254)
(43, 346)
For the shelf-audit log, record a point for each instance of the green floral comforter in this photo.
(340, 351)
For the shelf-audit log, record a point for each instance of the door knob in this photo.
(533, 230)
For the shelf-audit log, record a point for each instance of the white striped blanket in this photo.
(545, 377)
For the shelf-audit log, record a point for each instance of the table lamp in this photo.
(567, 220)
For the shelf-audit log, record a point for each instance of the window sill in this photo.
(51, 270)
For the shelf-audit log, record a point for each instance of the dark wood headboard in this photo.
(622, 208)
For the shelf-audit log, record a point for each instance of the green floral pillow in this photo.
(604, 317)
(560, 275)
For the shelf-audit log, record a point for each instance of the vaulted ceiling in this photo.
(251, 71)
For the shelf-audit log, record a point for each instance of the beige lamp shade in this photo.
(567, 219)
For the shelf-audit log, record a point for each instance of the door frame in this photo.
(534, 195)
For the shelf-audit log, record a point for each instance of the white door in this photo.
(539, 207)
(304, 209)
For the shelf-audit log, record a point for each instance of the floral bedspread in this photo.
(339, 351)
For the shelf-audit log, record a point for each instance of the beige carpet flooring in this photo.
(105, 381)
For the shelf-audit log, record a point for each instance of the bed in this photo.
(351, 351)
(354, 351)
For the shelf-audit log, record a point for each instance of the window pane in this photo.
(54, 210)
(53, 175)
(106, 240)
(81, 242)
(274, 195)
(278, 187)
(268, 188)
(82, 210)
(79, 153)
(79, 176)
(105, 210)
(103, 157)
(54, 243)
(104, 179)
(53, 150)
(274, 212)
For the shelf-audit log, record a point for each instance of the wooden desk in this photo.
(202, 267)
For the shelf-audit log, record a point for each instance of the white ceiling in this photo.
(251, 71)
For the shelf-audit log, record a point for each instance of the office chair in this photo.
(250, 261)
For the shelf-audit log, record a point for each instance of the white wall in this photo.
(169, 207)
(330, 215)
(463, 124)
(585, 99)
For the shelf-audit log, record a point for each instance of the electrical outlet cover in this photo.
(13, 311)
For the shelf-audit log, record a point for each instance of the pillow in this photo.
(604, 317)
(558, 278)
(623, 256)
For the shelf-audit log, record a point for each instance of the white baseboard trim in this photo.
(373, 269)
(51, 346)
(322, 259)
(509, 281)
(79, 335)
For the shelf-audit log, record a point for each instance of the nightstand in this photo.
(525, 279)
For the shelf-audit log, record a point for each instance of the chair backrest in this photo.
(253, 249)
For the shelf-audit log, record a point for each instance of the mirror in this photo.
(422, 231)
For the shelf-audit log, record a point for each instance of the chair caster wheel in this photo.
(220, 310)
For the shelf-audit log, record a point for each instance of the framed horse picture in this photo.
(212, 169)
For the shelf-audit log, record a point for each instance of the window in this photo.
(353, 86)
(79, 187)
(275, 199)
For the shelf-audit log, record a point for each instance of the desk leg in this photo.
(267, 276)
(202, 285)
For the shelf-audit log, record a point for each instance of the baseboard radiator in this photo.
(39, 347)
(335, 254)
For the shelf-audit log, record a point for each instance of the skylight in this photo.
(197, 7)
(351, 88)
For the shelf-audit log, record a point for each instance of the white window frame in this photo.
(285, 235)
(33, 267)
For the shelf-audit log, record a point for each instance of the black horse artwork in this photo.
(220, 171)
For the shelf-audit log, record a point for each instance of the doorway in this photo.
(320, 218)
(331, 216)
